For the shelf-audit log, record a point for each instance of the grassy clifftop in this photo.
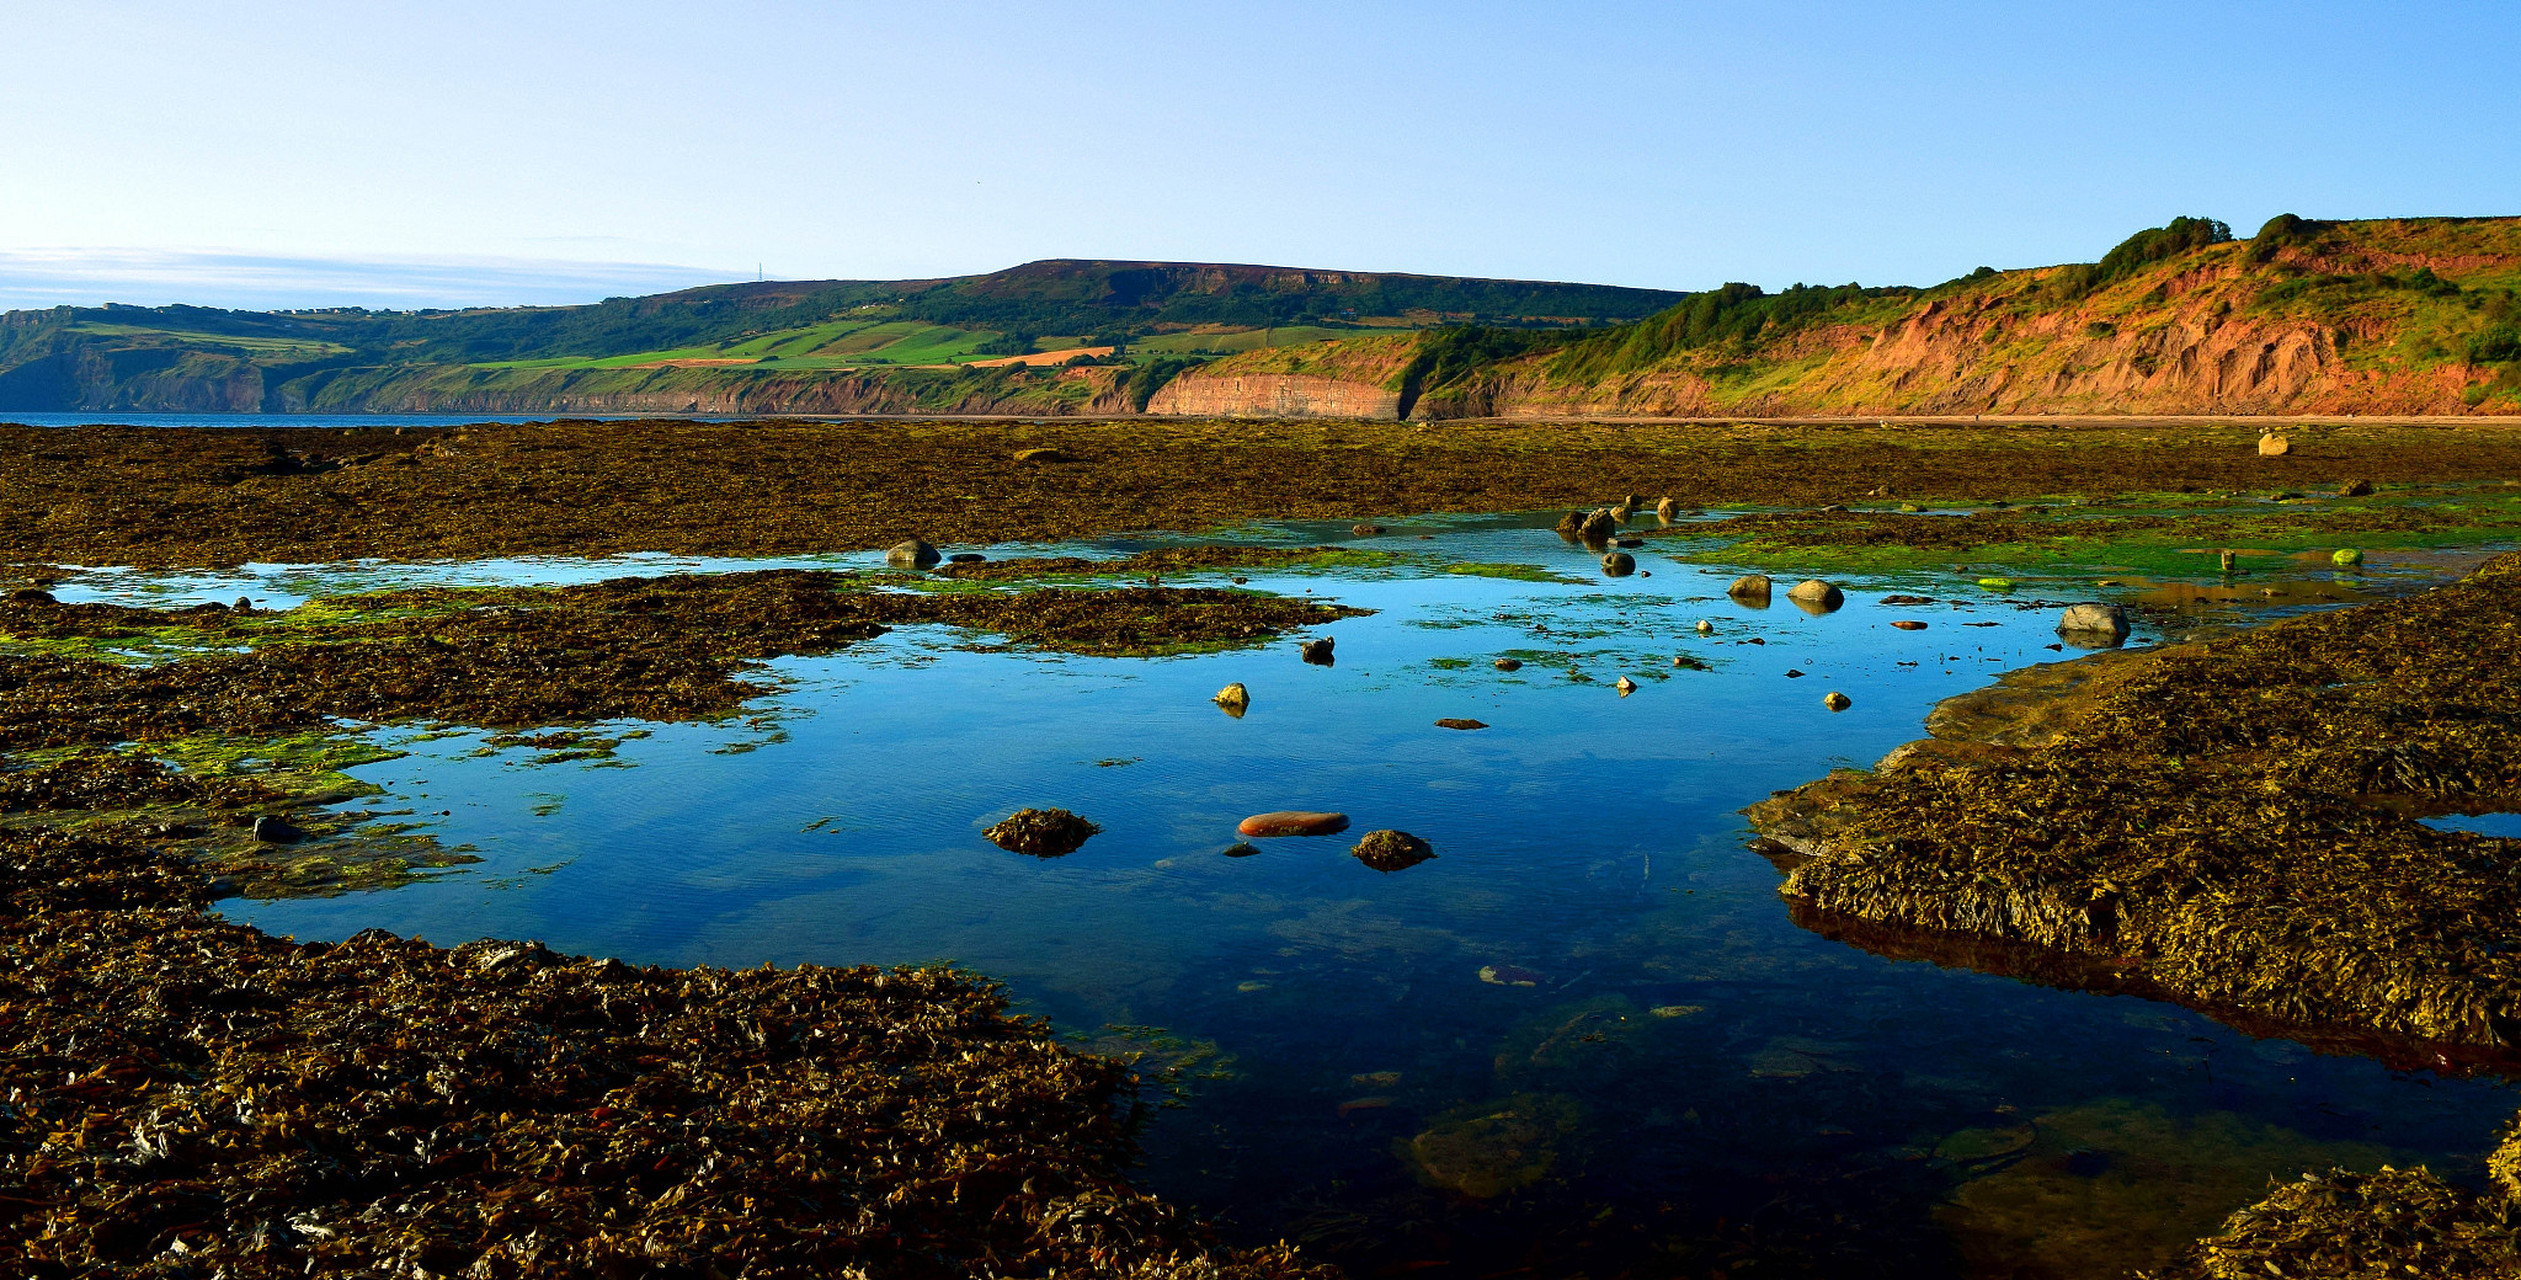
(2397, 316)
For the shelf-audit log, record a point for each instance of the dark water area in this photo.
(1588, 1036)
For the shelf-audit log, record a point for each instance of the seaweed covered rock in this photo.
(2231, 820)
(1392, 850)
(1043, 833)
(2347, 1226)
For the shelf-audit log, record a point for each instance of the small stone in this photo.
(1291, 822)
(1754, 586)
(2106, 621)
(2274, 446)
(1909, 624)
(1793, 674)
(271, 830)
(1508, 664)
(1041, 833)
(1241, 849)
(2355, 489)
(1663, 508)
(1318, 652)
(1835, 701)
(1625, 686)
(2346, 558)
(243, 605)
(1365, 530)
(913, 554)
(1234, 698)
(1619, 564)
(1706, 628)
(1044, 454)
(965, 557)
(1455, 722)
(1389, 851)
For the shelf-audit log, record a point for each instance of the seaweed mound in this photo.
(2343, 1226)
(1389, 851)
(2234, 820)
(1043, 833)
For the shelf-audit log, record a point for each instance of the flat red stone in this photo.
(1293, 822)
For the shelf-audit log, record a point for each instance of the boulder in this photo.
(1597, 529)
(1508, 664)
(1625, 686)
(2355, 489)
(913, 554)
(2346, 558)
(1835, 701)
(1663, 508)
(1571, 526)
(1812, 592)
(1318, 652)
(1619, 564)
(2105, 622)
(1750, 587)
(1041, 833)
(1291, 822)
(271, 830)
(2274, 446)
(1234, 698)
(1389, 851)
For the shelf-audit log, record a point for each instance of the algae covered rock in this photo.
(1042, 833)
(1389, 851)
(1488, 1150)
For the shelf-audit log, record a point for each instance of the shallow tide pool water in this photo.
(1586, 1037)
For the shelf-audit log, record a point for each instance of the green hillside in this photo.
(1155, 315)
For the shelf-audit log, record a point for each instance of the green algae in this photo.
(1510, 572)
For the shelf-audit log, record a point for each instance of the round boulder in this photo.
(2274, 446)
(1619, 564)
(1753, 586)
(913, 554)
(1812, 593)
(2093, 625)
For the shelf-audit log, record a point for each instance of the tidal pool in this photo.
(1586, 1036)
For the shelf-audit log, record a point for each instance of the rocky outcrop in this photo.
(1273, 395)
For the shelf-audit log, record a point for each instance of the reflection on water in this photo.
(1586, 1035)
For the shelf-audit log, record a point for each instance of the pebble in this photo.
(1625, 686)
(1508, 664)
(1909, 624)
(1318, 652)
(1835, 701)
(1292, 822)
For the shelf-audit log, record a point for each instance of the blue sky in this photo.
(280, 154)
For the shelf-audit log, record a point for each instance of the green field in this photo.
(1226, 344)
(838, 344)
(296, 348)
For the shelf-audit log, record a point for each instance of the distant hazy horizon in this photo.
(296, 154)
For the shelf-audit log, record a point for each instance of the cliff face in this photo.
(2363, 318)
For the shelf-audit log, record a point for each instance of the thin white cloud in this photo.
(34, 278)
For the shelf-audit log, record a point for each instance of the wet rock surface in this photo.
(1292, 822)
